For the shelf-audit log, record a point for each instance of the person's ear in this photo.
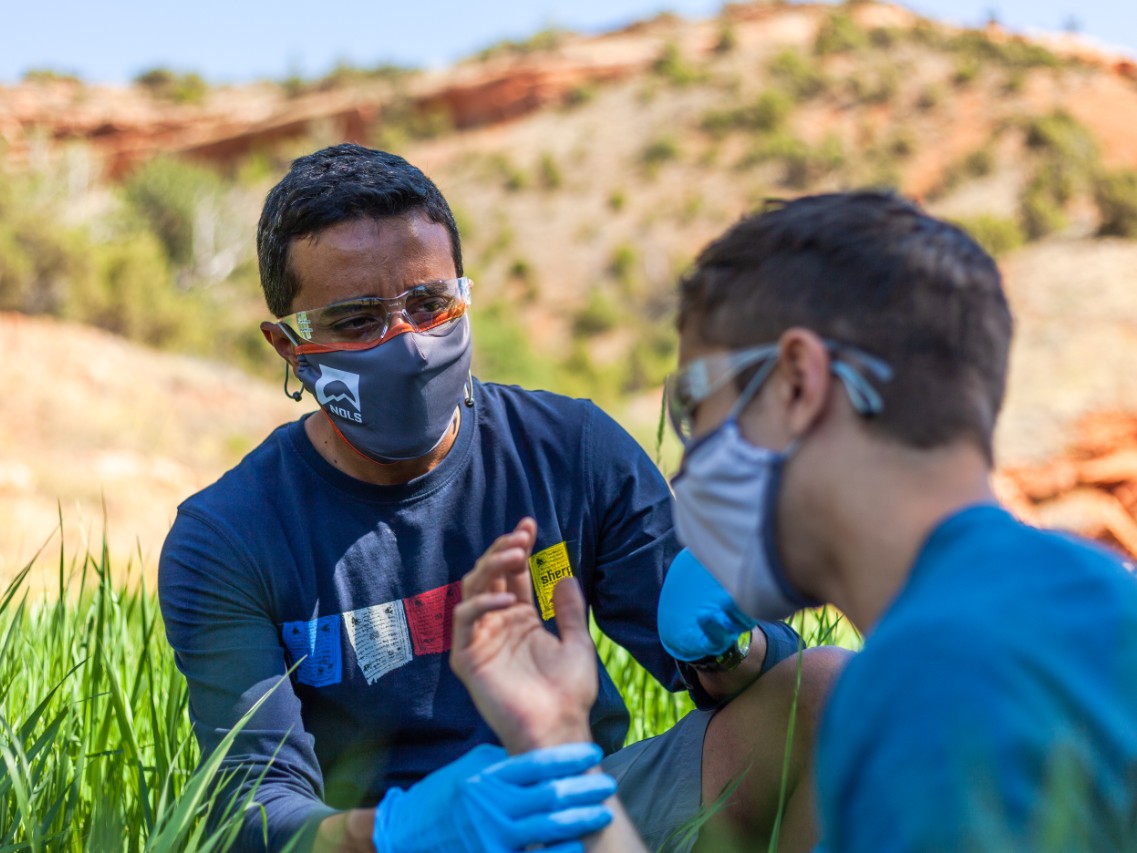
(805, 381)
(280, 341)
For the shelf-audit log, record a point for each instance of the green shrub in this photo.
(877, 85)
(659, 151)
(181, 88)
(980, 162)
(617, 199)
(652, 357)
(839, 33)
(728, 38)
(503, 351)
(171, 196)
(345, 73)
(1060, 135)
(549, 172)
(996, 234)
(800, 164)
(1041, 210)
(967, 69)
(930, 97)
(797, 74)
(599, 314)
(541, 42)
(767, 113)
(578, 96)
(521, 270)
(885, 37)
(623, 264)
(976, 46)
(49, 75)
(508, 173)
(672, 67)
(1116, 197)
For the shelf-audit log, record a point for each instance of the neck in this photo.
(337, 452)
(870, 545)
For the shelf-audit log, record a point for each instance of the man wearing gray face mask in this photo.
(327, 564)
(842, 363)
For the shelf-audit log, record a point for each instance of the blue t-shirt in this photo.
(288, 559)
(994, 706)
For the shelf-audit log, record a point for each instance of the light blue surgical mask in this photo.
(726, 499)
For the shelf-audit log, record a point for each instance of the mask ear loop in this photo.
(288, 333)
(752, 387)
(865, 398)
(295, 395)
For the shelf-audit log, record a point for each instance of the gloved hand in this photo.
(487, 801)
(697, 618)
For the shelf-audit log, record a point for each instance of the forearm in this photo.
(619, 836)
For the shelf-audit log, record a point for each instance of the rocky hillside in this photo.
(585, 173)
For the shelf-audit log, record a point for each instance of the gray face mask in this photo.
(393, 401)
(726, 498)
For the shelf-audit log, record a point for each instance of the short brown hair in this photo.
(873, 270)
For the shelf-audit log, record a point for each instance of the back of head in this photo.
(872, 270)
(333, 185)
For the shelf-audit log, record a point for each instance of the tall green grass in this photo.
(96, 749)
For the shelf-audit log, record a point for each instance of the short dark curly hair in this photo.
(873, 270)
(333, 185)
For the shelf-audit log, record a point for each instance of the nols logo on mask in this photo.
(410, 386)
(334, 388)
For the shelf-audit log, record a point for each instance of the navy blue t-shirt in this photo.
(994, 706)
(288, 559)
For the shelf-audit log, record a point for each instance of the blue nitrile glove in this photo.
(487, 801)
(697, 618)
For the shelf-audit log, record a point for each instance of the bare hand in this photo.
(533, 688)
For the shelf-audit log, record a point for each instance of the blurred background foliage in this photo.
(165, 256)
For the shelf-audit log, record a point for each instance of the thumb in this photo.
(568, 604)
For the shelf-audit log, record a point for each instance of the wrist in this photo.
(554, 733)
(727, 660)
(347, 832)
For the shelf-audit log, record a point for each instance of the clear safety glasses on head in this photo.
(431, 308)
(685, 389)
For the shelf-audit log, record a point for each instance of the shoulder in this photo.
(259, 472)
(514, 403)
(216, 525)
(544, 417)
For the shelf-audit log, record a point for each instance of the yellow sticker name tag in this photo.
(548, 567)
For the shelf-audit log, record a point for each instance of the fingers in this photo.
(572, 619)
(470, 610)
(587, 789)
(563, 825)
(553, 762)
(504, 566)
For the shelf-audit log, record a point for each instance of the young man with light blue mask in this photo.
(327, 565)
(842, 364)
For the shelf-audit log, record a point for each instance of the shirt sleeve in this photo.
(229, 650)
(635, 543)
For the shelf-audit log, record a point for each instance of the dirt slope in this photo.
(90, 420)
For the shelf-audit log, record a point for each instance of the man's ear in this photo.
(280, 341)
(806, 381)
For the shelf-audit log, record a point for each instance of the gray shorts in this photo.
(660, 782)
